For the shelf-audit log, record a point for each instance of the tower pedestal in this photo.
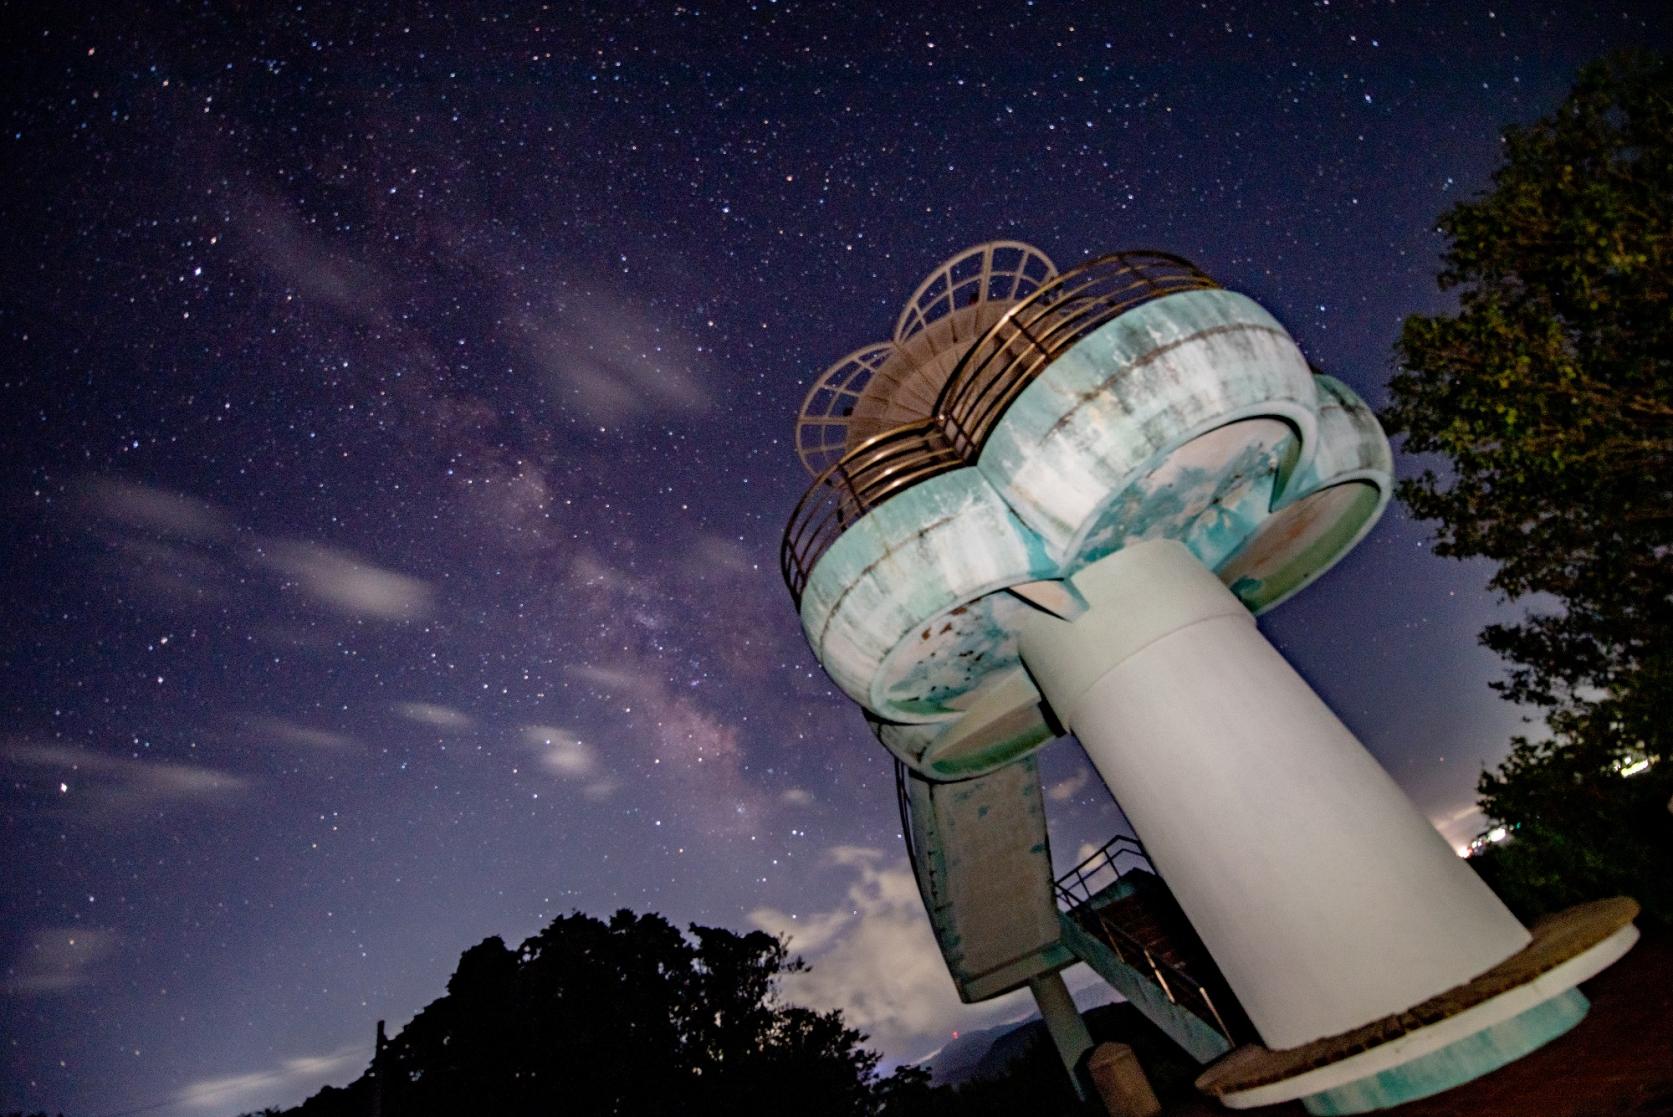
(1326, 899)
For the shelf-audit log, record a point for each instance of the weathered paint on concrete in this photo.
(1457, 1063)
(1005, 722)
(984, 869)
(1133, 390)
(935, 547)
(1210, 494)
(1193, 417)
(1325, 510)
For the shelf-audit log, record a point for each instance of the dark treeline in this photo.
(632, 1016)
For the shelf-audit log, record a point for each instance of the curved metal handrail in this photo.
(987, 379)
(863, 478)
(1039, 329)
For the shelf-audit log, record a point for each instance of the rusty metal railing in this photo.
(863, 478)
(1041, 328)
(987, 379)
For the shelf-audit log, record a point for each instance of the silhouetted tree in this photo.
(1549, 394)
(627, 1016)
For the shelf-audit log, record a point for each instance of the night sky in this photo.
(398, 424)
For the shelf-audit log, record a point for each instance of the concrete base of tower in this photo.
(1518, 1006)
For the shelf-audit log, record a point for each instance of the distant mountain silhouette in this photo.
(1010, 1051)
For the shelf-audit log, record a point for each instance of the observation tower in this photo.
(1054, 502)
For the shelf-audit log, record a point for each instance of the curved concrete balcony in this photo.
(1129, 398)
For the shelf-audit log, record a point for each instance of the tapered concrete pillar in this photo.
(1063, 1021)
(1326, 899)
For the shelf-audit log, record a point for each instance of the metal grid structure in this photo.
(880, 386)
(865, 477)
(1004, 360)
(999, 271)
(822, 428)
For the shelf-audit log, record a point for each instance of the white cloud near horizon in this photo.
(875, 958)
(295, 1077)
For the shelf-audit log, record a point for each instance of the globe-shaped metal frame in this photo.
(832, 420)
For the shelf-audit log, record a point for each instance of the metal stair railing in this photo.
(1075, 895)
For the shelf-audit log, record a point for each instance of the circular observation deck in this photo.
(1128, 398)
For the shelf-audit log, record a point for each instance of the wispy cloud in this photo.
(875, 958)
(290, 733)
(59, 959)
(565, 755)
(181, 551)
(112, 787)
(345, 582)
(1066, 789)
(611, 359)
(795, 797)
(435, 716)
(156, 510)
(300, 1075)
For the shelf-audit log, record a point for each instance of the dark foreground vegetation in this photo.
(633, 1016)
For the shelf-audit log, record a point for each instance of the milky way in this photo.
(398, 418)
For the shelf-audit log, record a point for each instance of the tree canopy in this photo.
(625, 1016)
(1548, 395)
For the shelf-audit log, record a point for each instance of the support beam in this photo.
(1063, 1021)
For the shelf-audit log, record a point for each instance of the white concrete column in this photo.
(1327, 900)
(1063, 1021)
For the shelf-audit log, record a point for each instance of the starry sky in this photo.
(398, 418)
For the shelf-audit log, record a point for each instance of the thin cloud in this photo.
(290, 733)
(345, 582)
(611, 361)
(566, 756)
(59, 959)
(1066, 789)
(301, 1075)
(112, 787)
(875, 958)
(795, 797)
(181, 551)
(156, 510)
(435, 716)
